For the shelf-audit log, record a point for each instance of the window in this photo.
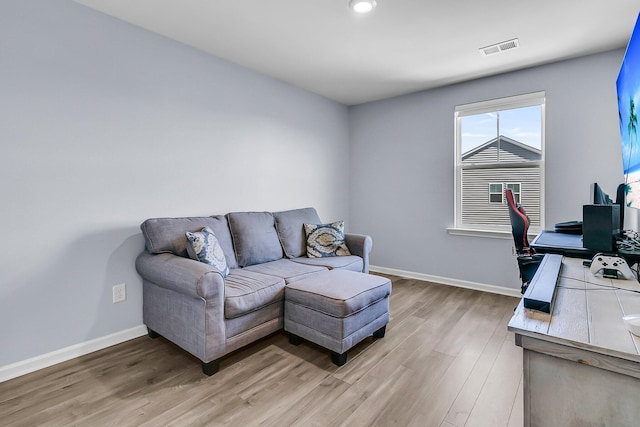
(516, 191)
(499, 145)
(496, 192)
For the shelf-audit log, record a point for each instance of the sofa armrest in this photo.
(180, 274)
(359, 244)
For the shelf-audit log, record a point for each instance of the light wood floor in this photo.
(447, 360)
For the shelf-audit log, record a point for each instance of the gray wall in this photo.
(103, 125)
(402, 180)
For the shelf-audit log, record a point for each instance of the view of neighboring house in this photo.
(483, 187)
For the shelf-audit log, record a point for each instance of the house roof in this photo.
(503, 140)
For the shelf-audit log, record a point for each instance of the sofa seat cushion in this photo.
(247, 291)
(286, 269)
(290, 228)
(338, 293)
(349, 262)
(254, 237)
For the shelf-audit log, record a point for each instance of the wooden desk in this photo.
(581, 365)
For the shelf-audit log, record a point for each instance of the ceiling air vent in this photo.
(500, 47)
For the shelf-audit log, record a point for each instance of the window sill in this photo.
(492, 234)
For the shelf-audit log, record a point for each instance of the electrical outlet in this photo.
(119, 293)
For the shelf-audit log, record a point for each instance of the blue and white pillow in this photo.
(204, 247)
(326, 240)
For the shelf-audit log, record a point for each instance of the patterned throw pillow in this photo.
(325, 240)
(204, 247)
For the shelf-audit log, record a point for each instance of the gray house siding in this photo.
(476, 207)
(475, 195)
(508, 153)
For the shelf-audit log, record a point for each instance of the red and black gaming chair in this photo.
(528, 260)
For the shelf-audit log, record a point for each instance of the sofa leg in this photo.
(152, 333)
(294, 339)
(211, 368)
(380, 332)
(339, 358)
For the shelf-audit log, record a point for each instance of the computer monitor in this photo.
(602, 198)
(599, 196)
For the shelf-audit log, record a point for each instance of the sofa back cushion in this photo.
(254, 237)
(289, 225)
(168, 235)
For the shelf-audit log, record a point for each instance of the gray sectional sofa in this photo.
(193, 305)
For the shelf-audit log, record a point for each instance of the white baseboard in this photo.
(27, 366)
(448, 281)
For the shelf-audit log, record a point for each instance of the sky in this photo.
(521, 124)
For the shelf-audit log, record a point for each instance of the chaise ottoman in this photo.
(336, 310)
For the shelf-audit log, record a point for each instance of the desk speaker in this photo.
(600, 227)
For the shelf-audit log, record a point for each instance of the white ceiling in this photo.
(403, 46)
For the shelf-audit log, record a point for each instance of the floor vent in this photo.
(500, 47)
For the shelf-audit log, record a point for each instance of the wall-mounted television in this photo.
(628, 88)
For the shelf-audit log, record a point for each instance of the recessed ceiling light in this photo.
(362, 6)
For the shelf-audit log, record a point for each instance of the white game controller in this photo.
(610, 266)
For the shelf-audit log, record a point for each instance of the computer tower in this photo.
(600, 227)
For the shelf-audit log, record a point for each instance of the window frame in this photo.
(493, 105)
(504, 186)
(517, 195)
(500, 193)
